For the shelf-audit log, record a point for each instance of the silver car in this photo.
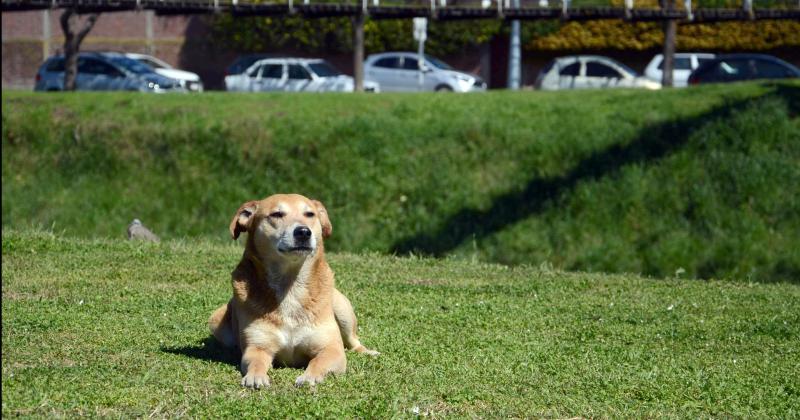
(188, 80)
(293, 75)
(683, 65)
(590, 71)
(104, 71)
(400, 72)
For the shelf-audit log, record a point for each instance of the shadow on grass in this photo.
(210, 349)
(653, 143)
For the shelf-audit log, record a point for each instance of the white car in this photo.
(293, 75)
(683, 66)
(590, 71)
(400, 72)
(189, 81)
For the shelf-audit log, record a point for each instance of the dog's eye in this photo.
(309, 214)
(277, 214)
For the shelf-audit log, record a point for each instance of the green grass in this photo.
(116, 329)
(705, 181)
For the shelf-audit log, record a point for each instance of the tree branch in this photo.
(88, 24)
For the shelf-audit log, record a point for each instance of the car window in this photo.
(410, 63)
(701, 61)
(323, 69)
(573, 69)
(56, 64)
(547, 67)
(438, 63)
(130, 64)
(297, 71)
(678, 64)
(769, 70)
(272, 71)
(388, 62)
(254, 71)
(594, 69)
(92, 66)
(151, 63)
(728, 69)
(737, 68)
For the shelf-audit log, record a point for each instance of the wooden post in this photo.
(358, 52)
(670, 32)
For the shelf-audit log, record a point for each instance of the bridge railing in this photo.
(456, 8)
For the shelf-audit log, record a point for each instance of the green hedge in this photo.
(696, 182)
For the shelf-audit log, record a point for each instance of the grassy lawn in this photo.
(705, 179)
(109, 328)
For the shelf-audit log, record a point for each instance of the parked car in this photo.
(399, 71)
(293, 75)
(737, 67)
(683, 65)
(104, 71)
(188, 80)
(243, 62)
(590, 71)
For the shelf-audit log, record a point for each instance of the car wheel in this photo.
(444, 88)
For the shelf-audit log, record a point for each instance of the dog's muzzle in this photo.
(302, 241)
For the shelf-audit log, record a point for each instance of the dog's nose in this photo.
(302, 232)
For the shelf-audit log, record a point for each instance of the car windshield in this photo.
(131, 65)
(150, 63)
(629, 70)
(323, 69)
(438, 63)
(244, 62)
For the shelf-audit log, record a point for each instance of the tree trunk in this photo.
(358, 53)
(74, 32)
(670, 32)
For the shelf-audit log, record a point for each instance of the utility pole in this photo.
(514, 60)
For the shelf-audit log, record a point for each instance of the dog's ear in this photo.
(324, 220)
(243, 218)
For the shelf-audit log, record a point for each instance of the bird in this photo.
(138, 231)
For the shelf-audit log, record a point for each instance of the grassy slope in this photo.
(101, 327)
(706, 179)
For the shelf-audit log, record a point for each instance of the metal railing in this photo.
(446, 9)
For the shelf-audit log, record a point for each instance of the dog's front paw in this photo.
(307, 380)
(255, 381)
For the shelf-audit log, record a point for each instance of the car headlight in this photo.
(152, 85)
(464, 78)
(464, 82)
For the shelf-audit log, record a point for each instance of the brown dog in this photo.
(285, 307)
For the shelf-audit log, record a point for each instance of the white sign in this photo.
(420, 29)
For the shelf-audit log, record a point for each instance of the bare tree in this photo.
(75, 29)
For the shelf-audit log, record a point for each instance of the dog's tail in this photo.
(221, 325)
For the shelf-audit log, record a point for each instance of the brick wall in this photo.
(26, 42)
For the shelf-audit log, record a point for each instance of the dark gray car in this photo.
(104, 71)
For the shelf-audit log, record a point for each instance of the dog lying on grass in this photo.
(285, 307)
